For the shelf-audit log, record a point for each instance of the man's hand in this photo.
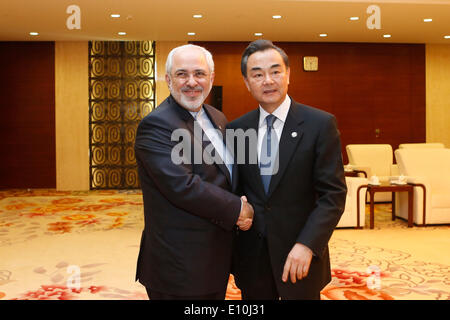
(245, 219)
(297, 263)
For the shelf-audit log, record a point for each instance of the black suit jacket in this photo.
(189, 209)
(305, 200)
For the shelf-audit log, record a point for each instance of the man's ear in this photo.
(212, 77)
(288, 73)
(168, 80)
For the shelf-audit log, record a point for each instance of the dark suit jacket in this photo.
(305, 200)
(189, 209)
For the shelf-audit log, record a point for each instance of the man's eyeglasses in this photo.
(184, 75)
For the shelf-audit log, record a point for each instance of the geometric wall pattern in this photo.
(121, 93)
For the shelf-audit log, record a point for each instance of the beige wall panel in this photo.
(72, 115)
(438, 93)
(162, 50)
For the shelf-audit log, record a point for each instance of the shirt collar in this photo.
(280, 112)
(197, 114)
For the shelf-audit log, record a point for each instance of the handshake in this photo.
(246, 215)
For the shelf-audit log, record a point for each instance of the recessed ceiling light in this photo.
(191, 33)
(277, 16)
(386, 35)
(115, 15)
(197, 16)
(258, 34)
(34, 33)
(447, 37)
(427, 20)
(121, 33)
(354, 18)
(323, 35)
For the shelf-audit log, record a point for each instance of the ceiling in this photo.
(226, 20)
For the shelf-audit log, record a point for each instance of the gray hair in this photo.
(208, 56)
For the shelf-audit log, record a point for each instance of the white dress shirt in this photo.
(280, 113)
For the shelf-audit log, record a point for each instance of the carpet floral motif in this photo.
(60, 286)
(399, 277)
(24, 218)
(28, 216)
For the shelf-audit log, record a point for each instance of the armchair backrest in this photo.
(379, 157)
(432, 164)
(431, 145)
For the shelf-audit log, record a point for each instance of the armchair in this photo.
(375, 159)
(350, 218)
(431, 168)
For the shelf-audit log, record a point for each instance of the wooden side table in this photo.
(372, 189)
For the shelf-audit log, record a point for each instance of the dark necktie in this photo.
(269, 149)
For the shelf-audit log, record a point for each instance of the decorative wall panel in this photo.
(121, 93)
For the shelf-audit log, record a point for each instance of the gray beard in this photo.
(182, 100)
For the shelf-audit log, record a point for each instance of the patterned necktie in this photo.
(269, 149)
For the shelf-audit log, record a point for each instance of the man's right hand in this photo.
(245, 219)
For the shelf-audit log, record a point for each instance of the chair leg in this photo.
(393, 206)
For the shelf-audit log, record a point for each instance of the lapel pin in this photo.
(293, 134)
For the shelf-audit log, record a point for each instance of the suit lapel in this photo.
(290, 137)
(182, 113)
(216, 123)
(253, 168)
(188, 119)
(196, 142)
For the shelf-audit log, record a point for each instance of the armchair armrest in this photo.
(422, 197)
(417, 180)
(366, 169)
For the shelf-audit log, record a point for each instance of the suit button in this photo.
(260, 235)
(267, 207)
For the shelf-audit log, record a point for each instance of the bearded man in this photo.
(189, 207)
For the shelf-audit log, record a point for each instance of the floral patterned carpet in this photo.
(84, 245)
